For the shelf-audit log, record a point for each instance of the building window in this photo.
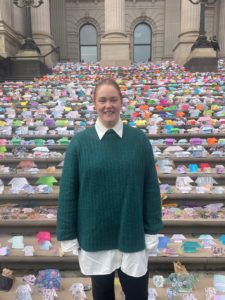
(142, 43)
(88, 43)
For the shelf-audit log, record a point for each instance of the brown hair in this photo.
(107, 81)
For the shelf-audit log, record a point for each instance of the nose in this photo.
(108, 103)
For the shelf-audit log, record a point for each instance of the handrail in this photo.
(6, 63)
(56, 49)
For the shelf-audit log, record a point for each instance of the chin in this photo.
(110, 123)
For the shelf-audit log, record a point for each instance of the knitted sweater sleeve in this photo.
(152, 211)
(68, 195)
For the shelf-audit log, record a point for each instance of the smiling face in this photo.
(108, 102)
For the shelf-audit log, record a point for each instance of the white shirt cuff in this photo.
(70, 245)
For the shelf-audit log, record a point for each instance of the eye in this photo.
(101, 100)
(114, 99)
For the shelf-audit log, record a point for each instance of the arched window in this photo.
(88, 43)
(142, 43)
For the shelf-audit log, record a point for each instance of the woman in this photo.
(109, 200)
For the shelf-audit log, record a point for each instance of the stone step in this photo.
(202, 259)
(151, 136)
(58, 172)
(200, 226)
(175, 159)
(203, 281)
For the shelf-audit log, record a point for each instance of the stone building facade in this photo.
(112, 31)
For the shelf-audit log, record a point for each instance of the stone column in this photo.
(41, 19)
(6, 12)
(190, 18)
(114, 43)
(41, 30)
(221, 35)
(19, 16)
(189, 29)
(172, 26)
(114, 16)
(9, 40)
(58, 12)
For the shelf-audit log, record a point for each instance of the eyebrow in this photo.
(111, 98)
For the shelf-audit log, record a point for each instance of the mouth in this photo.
(109, 113)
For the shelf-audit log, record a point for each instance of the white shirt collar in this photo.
(101, 129)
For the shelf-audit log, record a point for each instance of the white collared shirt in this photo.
(105, 262)
(101, 129)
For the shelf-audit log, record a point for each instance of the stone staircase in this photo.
(30, 225)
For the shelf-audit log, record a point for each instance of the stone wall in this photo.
(77, 14)
(152, 12)
(169, 40)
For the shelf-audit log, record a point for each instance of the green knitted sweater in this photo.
(109, 194)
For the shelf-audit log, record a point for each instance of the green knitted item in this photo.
(109, 193)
